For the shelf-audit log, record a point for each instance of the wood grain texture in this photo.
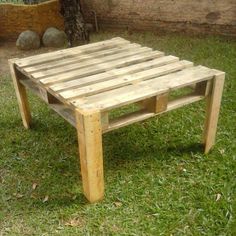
(212, 110)
(21, 96)
(91, 156)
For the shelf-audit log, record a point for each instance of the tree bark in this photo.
(75, 27)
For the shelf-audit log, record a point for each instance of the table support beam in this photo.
(21, 96)
(89, 128)
(212, 111)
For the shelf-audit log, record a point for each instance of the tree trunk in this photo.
(75, 27)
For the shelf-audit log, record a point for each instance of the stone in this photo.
(54, 38)
(28, 40)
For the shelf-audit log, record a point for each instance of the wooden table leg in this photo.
(89, 128)
(21, 96)
(212, 111)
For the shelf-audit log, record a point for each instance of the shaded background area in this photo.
(191, 16)
(16, 18)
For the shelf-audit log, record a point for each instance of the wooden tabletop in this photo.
(110, 74)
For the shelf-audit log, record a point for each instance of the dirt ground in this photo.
(8, 50)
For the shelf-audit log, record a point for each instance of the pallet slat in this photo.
(100, 68)
(92, 62)
(93, 47)
(78, 58)
(144, 89)
(125, 80)
(113, 73)
(144, 114)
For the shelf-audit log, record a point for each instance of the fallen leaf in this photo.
(34, 186)
(33, 196)
(118, 204)
(222, 151)
(46, 199)
(60, 228)
(18, 195)
(155, 214)
(75, 222)
(218, 196)
(181, 168)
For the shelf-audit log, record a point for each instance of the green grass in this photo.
(158, 181)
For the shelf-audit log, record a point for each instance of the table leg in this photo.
(21, 96)
(89, 130)
(212, 111)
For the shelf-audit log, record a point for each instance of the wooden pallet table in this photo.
(84, 84)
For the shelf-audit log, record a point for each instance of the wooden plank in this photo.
(21, 96)
(100, 68)
(47, 97)
(92, 62)
(65, 112)
(32, 86)
(145, 89)
(42, 92)
(113, 73)
(183, 101)
(51, 56)
(213, 109)
(128, 119)
(105, 120)
(78, 58)
(124, 80)
(156, 104)
(91, 156)
(203, 88)
(144, 114)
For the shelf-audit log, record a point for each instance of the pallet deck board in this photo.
(113, 73)
(99, 68)
(47, 72)
(66, 53)
(144, 89)
(122, 81)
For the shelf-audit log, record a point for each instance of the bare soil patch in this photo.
(9, 50)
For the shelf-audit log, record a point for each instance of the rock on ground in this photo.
(28, 40)
(54, 38)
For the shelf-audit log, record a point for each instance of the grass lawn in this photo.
(158, 181)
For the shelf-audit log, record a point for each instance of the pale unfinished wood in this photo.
(105, 120)
(145, 113)
(156, 104)
(54, 56)
(84, 84)
(65, 112)
(124, 80)
(91, 70)
(81, 58)
(212, 110)
(92, 62)
(91, 157)
(21, 96)
(145, 89)
(203, 88)
(113, 73)
(47, 97)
